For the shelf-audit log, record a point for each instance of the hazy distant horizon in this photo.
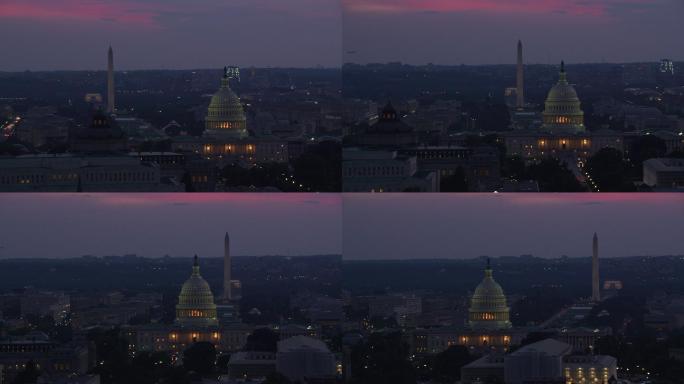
(167, 256)
(341, 67)
(104, 71)
(546, 225)
(479, 258)
(47, 34)
(68, 225)
(513, 64)
(246, 256)
(487, 31)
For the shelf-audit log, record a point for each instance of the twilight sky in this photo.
(169, 34)
(486, 31)
(415, 226)
(56, 225)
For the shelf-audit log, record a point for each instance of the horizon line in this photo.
(477, 258)
(161, 69)
(325, 67)
(680, 61)
(161, 257)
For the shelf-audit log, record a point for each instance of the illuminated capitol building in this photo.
(198, 317)
(225, 115)
(562, 109)
(562, 130)
(488, 329)
(226, 135)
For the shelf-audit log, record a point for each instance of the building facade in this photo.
(546, 361)
(198, 318)
(488, 328)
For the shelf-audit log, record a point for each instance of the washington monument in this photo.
(595, 287)
(110, 81)
(520, 98)
(227, 295)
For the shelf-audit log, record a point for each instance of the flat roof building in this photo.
(664, 173)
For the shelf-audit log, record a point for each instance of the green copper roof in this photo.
(196, 302)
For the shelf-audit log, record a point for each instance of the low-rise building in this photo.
(581, 339)
(249, 149)
(49, 356)
(546, 361)
(72, 173)
(531, 144)
(301, 358)
(384, 171)
(54, 304)
(251, 364)
(664, 173)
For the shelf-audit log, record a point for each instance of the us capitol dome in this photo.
(196, 307)
(488, 308)
(562, 111)
(225, 115)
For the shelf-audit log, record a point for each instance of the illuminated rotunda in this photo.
(196, 307)
(489, 328)
(225, 115)
(198, 318)
(488, 308)
(562, 111)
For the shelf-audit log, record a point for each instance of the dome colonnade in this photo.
(562, 109)
(196, 306)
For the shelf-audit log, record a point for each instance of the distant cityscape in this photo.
(601, 127)
(280, 315)
(322, 319)
(342, 192)
(565, 320)
(158, 131)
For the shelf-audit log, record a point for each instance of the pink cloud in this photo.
(572, 7)
(145, 13)
(153, 199)
(124, 12)
(565, 199)
(671, 199)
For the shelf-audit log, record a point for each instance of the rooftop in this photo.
(487, 361)
(302, 342)
(546, 346)
(665, 164)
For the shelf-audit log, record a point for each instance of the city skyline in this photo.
(484, 32)
(149, 34)
(342, 191)
(473, 225)
(178, 225)
(153, 34)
